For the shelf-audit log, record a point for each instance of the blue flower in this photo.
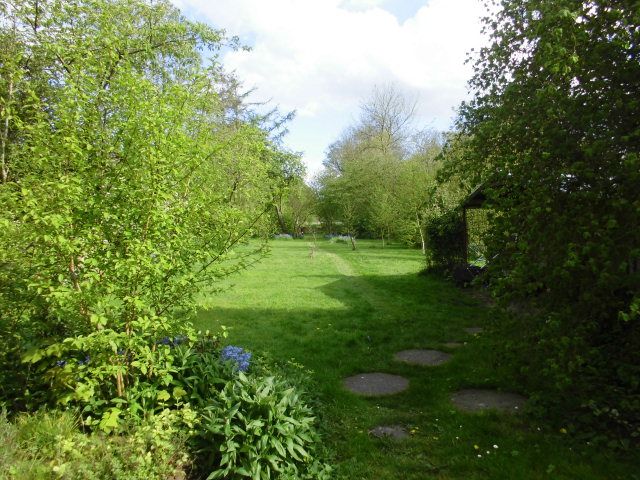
(172, 342)
(85, 361)
(237, 355)
(180, 339)
(61, 363)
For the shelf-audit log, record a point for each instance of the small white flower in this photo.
(479, 456)
(495, 446)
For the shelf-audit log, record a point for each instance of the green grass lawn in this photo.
(342, 312)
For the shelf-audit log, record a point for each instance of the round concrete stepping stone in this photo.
(396, 432)
(422, 357)
(453, 344)
(375, 384)
(475, 400)
(473, 330)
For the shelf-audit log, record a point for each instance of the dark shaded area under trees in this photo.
(553, 134)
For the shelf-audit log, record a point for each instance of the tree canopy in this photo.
(553, 135)
(131, 172)
(380, 175)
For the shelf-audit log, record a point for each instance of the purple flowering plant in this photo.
(240, 357)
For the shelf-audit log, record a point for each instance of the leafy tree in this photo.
(126, 187)
(419, 195)
(553, 134)
(288, 173)
(299, 205)
(361, 168)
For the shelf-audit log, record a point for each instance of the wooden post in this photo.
(465, 236)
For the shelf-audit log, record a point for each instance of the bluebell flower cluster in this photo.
(237, 355)
(85, 361)
(172, 342)
(63, 363)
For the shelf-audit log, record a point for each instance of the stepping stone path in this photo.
(422, 357)
(375, 384)
(468, 400)
(395, 432)
(473, 330)
(473, 400)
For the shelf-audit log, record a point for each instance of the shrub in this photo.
(560, 163)
(445, 241)
(259, 427)
(112, 378)
(222, 405)
(250, 421)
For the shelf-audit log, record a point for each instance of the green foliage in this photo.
(50, 445)
(132, 178)
(201, 373)
(553, 134)
(251, 424)
(125, 378)
(181, 414)
(445, 241)
(259, 427)
(380, 177)
(126, 188)
(295, 207)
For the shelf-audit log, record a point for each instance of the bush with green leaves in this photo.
(132, 178)
(553, 134)
(259, 427)
(445, 241)
(250, 420)
(206, 405)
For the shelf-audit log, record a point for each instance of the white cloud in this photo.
(322, 57)
(360, 4)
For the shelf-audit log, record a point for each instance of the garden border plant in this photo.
(132, 177)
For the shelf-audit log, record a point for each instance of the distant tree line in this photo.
(379, 177)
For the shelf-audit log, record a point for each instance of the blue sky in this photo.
(322, 58)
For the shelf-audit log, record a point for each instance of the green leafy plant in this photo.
(50, 445)
(127, 187)
(445, 241)
(259, 427)
(552, 135)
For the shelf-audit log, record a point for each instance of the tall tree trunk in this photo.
(353, 242)
(283, 227)
(422, 238)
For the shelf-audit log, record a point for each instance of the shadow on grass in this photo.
(379, 315)
(374, 317)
